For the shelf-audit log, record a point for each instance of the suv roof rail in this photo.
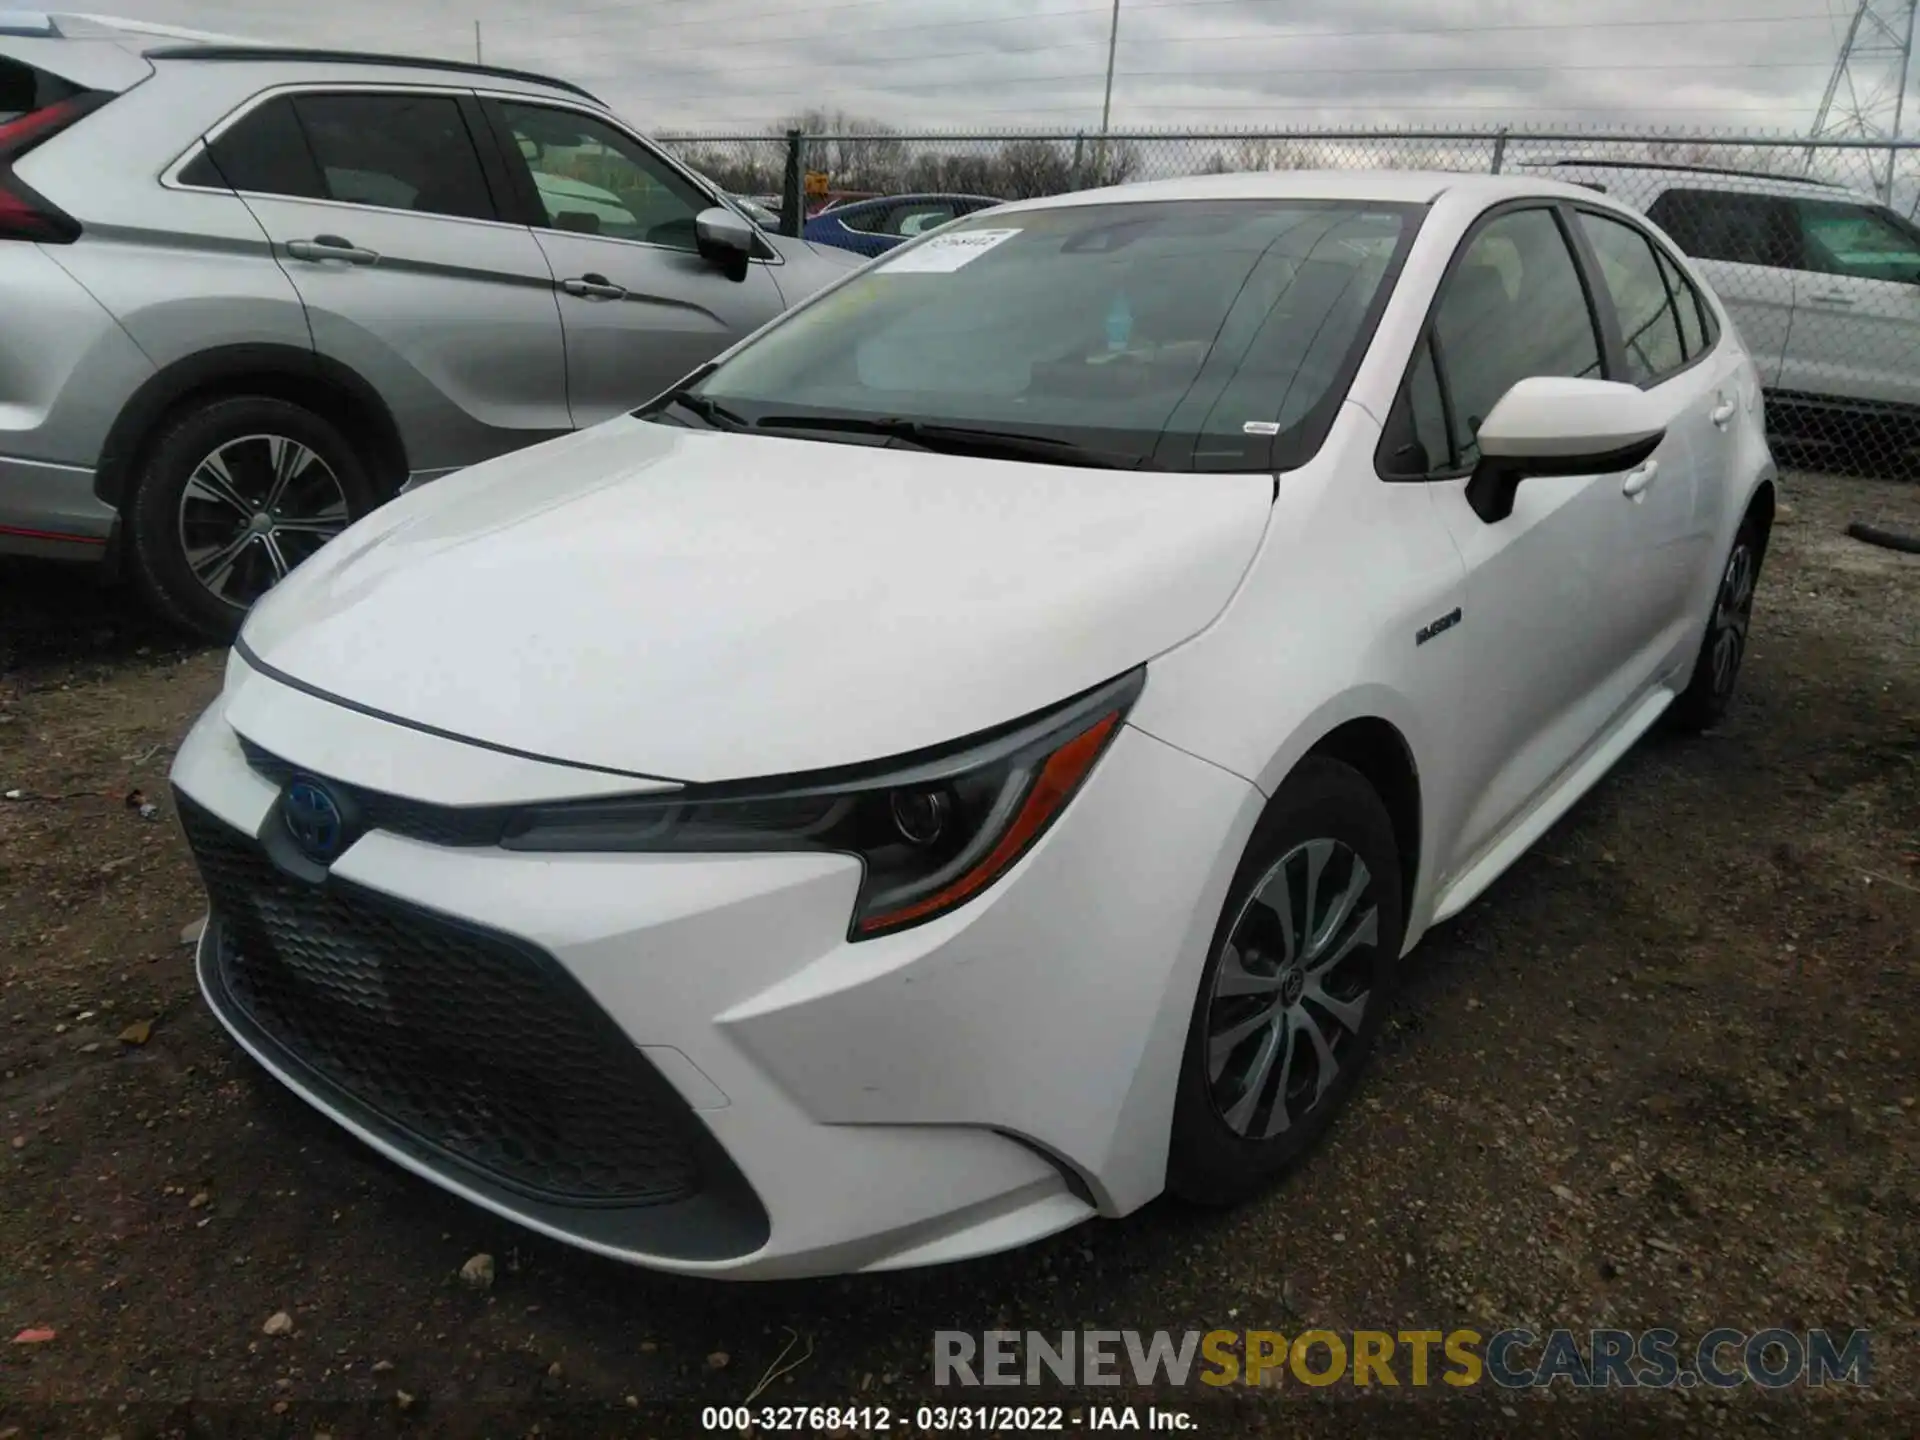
(1691, 169)
(357, 57)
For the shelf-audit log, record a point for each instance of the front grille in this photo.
(472, 1043)
(453, 825)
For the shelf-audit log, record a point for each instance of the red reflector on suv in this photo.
(24, 214)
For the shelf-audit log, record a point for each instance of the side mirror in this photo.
(727, 238)
(1550, 425)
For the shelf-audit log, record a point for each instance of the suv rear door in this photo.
(641, 307)
(387, 215)
(1747, 247)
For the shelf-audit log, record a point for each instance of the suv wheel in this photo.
(1300, 979)
(234, 494)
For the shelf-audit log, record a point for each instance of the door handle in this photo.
(332, 247)
(594, 287)
(1640, 479)
(1723, 413)
(1831, 297)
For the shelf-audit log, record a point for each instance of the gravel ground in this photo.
(1664, 1074)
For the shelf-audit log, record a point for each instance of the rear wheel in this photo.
(1299, 981)
(1716, 669)
(233, 496)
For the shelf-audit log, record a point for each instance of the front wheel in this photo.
(1300, 978)
(233, 496)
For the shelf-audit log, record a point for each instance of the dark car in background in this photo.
(873, 227)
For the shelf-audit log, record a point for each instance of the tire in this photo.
(1225, 1145)
(200, 496)
(1710, 688)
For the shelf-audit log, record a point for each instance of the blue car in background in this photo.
(873, 227)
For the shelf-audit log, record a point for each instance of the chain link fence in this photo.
(1811, 246)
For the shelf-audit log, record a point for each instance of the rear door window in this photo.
(1649, 324)
(263, 153)
(397, 151)
(1730, 225)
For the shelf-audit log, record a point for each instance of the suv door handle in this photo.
(1640, 479)
(594, 287)
(332, 247)
(1832, 297)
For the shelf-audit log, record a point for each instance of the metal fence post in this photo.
(1074, 181)
(793, 185)
(1499, 150)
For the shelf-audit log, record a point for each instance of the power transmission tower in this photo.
(1866, 95)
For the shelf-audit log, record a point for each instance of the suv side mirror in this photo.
(1552, 425)
(727, 238)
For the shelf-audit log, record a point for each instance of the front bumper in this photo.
(960, 1088)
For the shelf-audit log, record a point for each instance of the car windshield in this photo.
(1202, 335)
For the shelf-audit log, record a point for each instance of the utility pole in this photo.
(1866, 93)
(478, 58)
(1113, 41)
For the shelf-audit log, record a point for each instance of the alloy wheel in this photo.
(1732, 618)
(254, 509)
(1291, 991)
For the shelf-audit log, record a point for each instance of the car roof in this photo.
(1418, 187)
(94, 50)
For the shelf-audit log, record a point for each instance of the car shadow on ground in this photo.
(54, 615)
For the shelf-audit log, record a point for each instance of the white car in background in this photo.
(1822, 282)
(974, 757)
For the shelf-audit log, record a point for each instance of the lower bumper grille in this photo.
(475, 1045)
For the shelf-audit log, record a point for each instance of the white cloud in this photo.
(741, 64)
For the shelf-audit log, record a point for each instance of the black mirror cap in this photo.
(1496, 479)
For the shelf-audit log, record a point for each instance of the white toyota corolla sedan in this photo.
(973, 757)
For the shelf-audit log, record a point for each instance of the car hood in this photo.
(700, 606)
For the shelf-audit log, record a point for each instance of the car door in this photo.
(1856, 319)
(1670, 517)
(381, 212)
(1746, 245)
(639, 305)
(1541, 632)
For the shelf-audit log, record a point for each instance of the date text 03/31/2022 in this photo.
(939, 1419)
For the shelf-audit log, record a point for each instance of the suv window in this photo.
(594, 180)
(264, 152)
(1731, 225)
(1866, 242)
(1512, 308)
(1649, 324)
(405, 152)
(398, 151)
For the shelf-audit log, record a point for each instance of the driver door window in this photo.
(1512, 306)
(591, 179)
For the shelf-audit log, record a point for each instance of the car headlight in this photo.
(932, 830)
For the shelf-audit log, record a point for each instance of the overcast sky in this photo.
(726, 64)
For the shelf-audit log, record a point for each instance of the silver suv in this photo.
(249, 293)
(1822, 282)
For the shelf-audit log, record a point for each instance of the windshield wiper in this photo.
(711, 411)
(960, 439)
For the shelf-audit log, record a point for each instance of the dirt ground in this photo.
(1664, 1074)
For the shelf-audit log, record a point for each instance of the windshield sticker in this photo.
(945, 253)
